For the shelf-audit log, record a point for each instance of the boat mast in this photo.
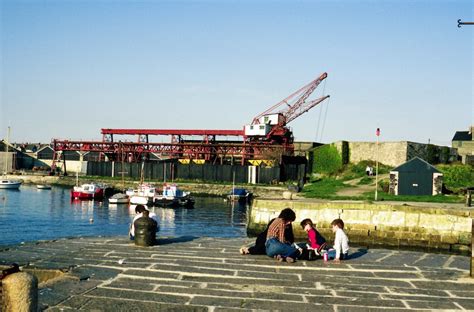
(233, 184)
(123, 172)
(142, 174)
(6, 151)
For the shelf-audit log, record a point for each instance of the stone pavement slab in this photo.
(209, 274)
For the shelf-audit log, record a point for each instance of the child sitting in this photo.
(341, 242)
(317, 243)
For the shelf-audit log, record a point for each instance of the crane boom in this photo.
(304, 108)
(294, 102)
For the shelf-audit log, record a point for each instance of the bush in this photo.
(457, 176)
(327, 160)
(366, 181)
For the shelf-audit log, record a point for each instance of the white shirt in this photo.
(152, 215)
(341, 243)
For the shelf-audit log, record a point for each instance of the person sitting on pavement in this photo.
(139, 209)
(276, 245)
(259, 247)
(316, 242)
(341, 242)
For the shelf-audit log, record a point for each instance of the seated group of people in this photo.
(277, 240)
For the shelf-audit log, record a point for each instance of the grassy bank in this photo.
(350, 182)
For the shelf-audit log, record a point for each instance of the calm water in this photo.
(31, 214)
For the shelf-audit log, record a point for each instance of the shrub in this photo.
(365, 181)
(327, 160)
(457, 176)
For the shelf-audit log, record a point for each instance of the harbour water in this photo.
(30, 214)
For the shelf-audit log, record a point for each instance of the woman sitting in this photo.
(276, 245)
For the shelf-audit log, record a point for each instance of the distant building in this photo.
(415, 177)
(463, 141)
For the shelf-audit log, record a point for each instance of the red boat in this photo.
(87, 191)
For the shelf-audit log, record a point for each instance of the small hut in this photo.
(416, 177)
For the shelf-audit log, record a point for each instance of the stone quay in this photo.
(209, 274)
(433, 226)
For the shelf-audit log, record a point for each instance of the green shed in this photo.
(415, 177)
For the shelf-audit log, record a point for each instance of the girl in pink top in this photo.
(316, 241)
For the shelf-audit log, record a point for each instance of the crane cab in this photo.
(264, 125)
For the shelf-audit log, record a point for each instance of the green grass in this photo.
(354, 171)
(366, 181)
(324, 188)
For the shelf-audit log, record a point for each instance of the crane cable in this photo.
(324, 119)
(320, 113)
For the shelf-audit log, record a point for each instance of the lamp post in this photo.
(377, 133)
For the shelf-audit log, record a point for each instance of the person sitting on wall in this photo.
(139, 209)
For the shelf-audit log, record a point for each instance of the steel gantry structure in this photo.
(266, 137)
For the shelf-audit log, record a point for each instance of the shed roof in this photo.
(415, 164)
(462, 136)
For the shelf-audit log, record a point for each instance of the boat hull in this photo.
(174, 202)
(119, 200)
(87, 196)
(43, 187)
(8, 184)
(140, 200)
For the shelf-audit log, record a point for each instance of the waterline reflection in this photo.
(31, 215)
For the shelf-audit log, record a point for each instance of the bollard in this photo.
(20, 292)
(145, 231)
(468, 198)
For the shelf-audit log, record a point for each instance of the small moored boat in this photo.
(239, 194)
(143, 195)
(43, 186)
(87, 191)
(119, 198)
(10, 184)
(172, 196)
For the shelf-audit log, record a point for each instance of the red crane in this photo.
(267, 135)
(270, 125)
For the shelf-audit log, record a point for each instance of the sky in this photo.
(70, 68)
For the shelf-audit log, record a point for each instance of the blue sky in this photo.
(70, 68)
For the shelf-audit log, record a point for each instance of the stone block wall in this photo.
(370, 224)
(389, 153)
(393, 153)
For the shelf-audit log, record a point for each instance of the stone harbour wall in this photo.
(370, 224)
(394, 153)
(389, 153)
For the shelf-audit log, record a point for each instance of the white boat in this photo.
(43, 186)
(6, 183)
(119, 198)
(143, 195)
(174, 197)
(10, 184)
(140, 200)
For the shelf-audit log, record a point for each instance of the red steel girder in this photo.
(175, 150)
(173, 132)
